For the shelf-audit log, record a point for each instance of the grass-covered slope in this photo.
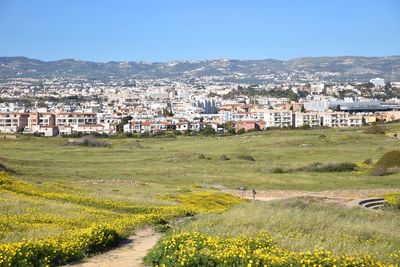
(298, 231)
(178, 162)
(43, 227)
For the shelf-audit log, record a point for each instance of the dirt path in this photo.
(129, 254)
(266, 195)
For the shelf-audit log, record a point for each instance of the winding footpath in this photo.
(136, 247)
(129, 254)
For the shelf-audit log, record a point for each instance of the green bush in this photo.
(279, 170)
(329, 167)
(241, 131)
(368, 161)
(390, 159)
(201, 156)
(374, 129)
(209, 130)
(246, 157)
(379, 171)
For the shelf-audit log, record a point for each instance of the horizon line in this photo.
(198, 60)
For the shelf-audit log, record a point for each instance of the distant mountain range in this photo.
(333, 69)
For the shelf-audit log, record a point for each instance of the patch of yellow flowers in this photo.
(197, 249)
(96, 224)
(393, 199)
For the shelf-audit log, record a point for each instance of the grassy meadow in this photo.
(61, 203)
(175, 161)
(306, 224)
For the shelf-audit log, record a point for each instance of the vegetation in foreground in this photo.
(75, 200)
(40, 228)
(296, 232)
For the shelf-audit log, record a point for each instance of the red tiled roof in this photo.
(146, 123)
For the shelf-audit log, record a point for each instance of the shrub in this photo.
(368, 161)
(224, 157)
(279, 170)
(157, 134)
(374, 129)
(246, 157)
(390, 159)
(393, 200)
(209, 130)
(329, 167)
(201, 156)
(379, 171)
(241, 131)
(3, 168)
(144, 135)
(103, 135)
(88, 141)
(175, 132)
(322, 136)
(231, 131)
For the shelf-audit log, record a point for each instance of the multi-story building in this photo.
(335, 119)
(75, 118)
(308, 118)
(13, 122)
(277, 118)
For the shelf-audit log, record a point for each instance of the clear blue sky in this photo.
(165, 30)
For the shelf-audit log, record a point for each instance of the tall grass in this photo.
(305, 224)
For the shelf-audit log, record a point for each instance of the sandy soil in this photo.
(347, 195)
(129, 254)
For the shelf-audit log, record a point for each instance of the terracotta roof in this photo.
(146, 123)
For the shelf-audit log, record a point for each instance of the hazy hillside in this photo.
(325, 68)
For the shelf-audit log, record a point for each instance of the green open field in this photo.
(175, 161)
(99, 195)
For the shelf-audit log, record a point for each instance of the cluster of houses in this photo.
(239, 116)
(252, 117)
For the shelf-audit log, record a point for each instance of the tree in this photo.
(209, 130)
(167, 112)
(364, 121)
(302, 108)
(292, 96)
(338, 108)
(120, 126)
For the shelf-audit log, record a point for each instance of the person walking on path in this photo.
(254, 194)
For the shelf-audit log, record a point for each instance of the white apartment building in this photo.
(75, 118)
(335, 119)
(309, 118)
(277, 118)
